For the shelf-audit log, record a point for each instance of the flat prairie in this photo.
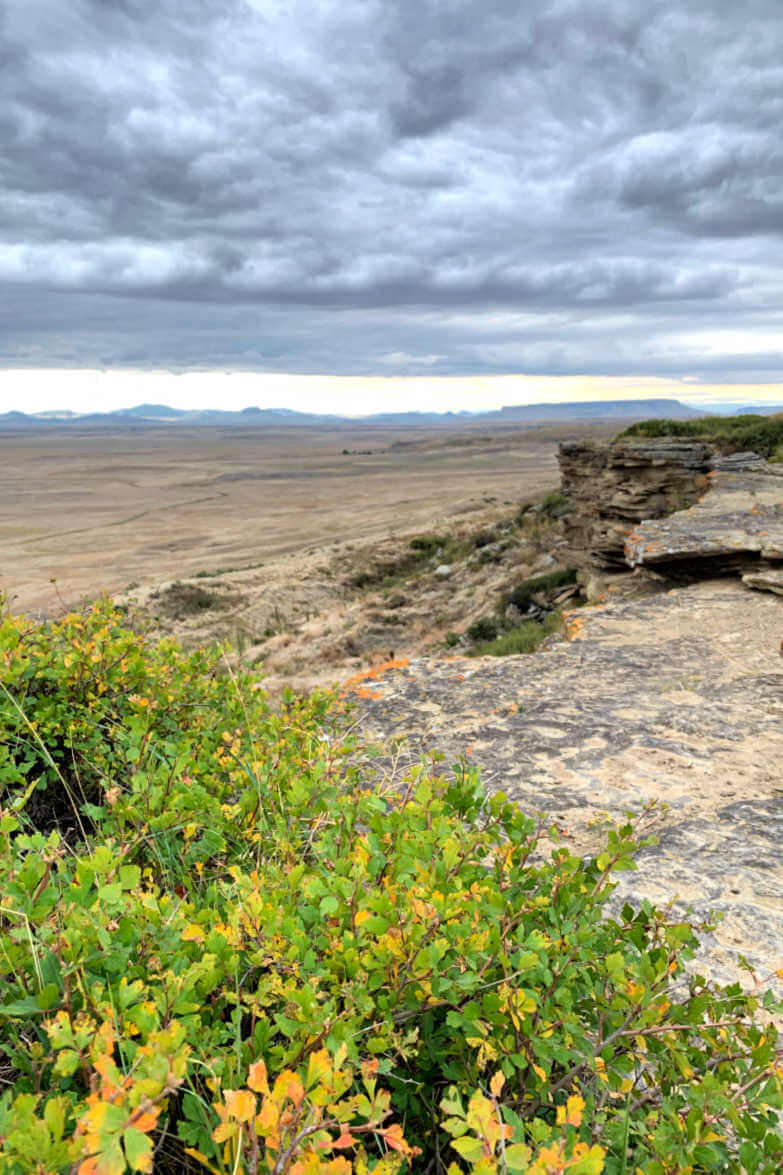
(86, 511)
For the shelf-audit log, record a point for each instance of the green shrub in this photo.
(761, 434)
(556, 504)
(483, 629)
(522, 595)
(525, 638)
(252, 959)
(428, 543)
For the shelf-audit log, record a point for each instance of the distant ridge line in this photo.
(162, 415)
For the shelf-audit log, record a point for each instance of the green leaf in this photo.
(518, 1156)
(54, 1117)
(48, 996)
(137, 1148)
(328, 905)
(28, 1006)
(130, 876)
(470, 1149)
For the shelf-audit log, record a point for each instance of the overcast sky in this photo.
(393, 187)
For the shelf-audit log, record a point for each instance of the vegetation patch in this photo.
(179, 600)
(523, 638)
(522, 596)
(238, 956)
(730, 434)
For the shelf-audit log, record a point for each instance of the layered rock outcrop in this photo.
(613, 487)
(678, 508)
(736, 527)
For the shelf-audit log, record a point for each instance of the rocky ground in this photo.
(669, 692)
(676, 698)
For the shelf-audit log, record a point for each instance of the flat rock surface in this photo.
(676, 698)
(742, 513)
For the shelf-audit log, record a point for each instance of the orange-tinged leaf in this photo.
(268, 1117)
(393, 1137)
(345, 1139)
(288, 1085)
(240, 1103)
(148, 1120)
(257, 1077)
(497, 1083)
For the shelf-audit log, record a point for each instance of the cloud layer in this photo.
(357, 186)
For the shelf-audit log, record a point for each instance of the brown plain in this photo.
(94, 510)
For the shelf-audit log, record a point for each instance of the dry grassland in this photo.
(277, 523)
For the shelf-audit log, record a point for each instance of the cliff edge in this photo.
(675, 696)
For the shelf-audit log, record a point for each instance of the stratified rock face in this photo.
(765, 581)
(737, 526)
(614, 486)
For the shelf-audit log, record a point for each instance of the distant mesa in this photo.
(161, 415)
(151, 412)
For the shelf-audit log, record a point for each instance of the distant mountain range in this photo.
(159, 415)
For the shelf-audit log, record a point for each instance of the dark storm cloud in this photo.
(358, 186)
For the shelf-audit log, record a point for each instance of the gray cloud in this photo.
(357, 186)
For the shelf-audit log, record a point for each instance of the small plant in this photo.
(556, 504)
(428, 543)
(180, 600)
(452, 639)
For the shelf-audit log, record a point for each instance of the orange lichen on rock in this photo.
(372, 674)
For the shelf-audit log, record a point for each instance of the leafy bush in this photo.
(524, 638)
(243, 957)
(730, 434)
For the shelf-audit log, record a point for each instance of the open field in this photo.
(96, 511)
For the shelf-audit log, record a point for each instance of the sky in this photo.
(428, 194)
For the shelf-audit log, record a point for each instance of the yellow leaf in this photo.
(193, 933)
(497, 1083)
(224, 1131)
(201, 1158)
(571, 1112)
